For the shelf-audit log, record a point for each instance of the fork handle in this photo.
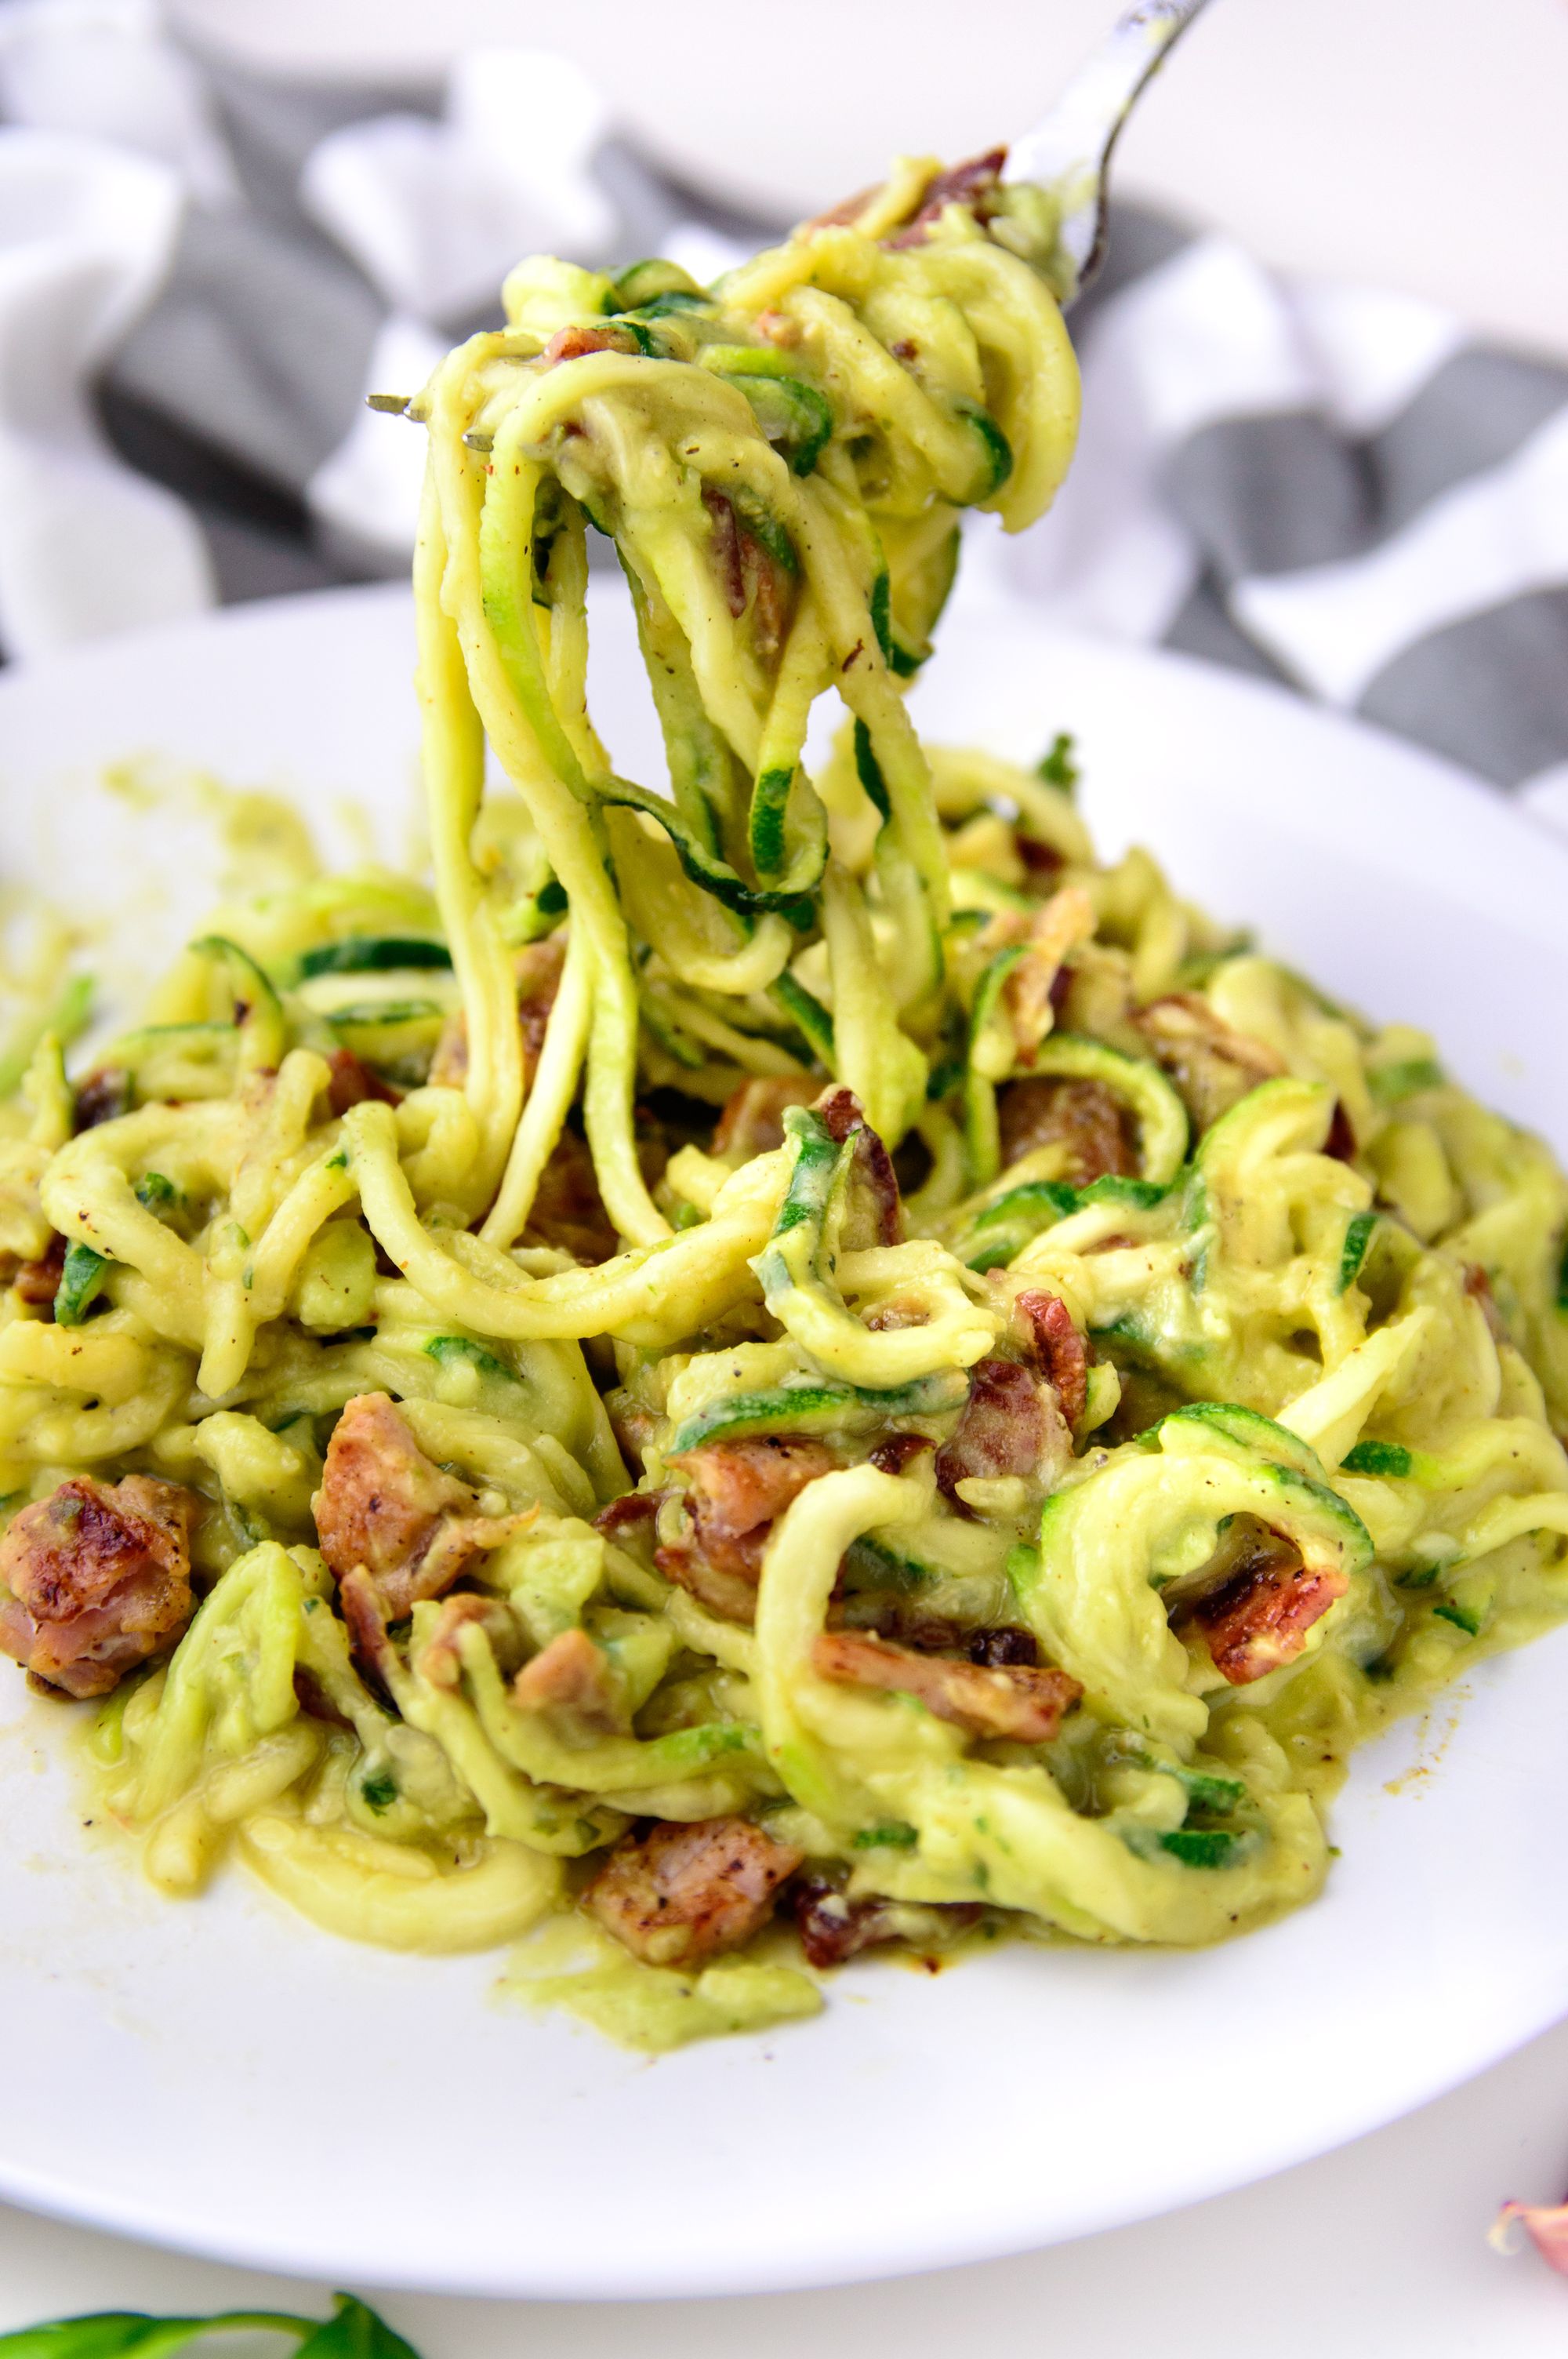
(1069, 151)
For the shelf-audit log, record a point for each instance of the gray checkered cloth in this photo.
(1338, 490)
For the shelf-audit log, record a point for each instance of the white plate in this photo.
(216, 2075)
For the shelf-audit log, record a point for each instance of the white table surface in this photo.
(1411, 143)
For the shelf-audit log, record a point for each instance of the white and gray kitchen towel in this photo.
(203, 271)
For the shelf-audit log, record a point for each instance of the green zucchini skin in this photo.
(373, 954)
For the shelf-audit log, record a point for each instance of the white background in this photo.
(1409, 143)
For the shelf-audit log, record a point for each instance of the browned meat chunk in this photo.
(1085, 1118)
(386, 1509)
(752, 1121)
(1258, 1615)
(679, 1895)
(101, 1096)
(537, 967)
(96, 1579)
(749, 575)
(974, 184)
(734, 1492)
(834, 1928)
(352, 1082)
(1212, 1066)
(1022, 1701)
(1010, 1426)
(1057, 1349)
(874, 1213)
(569, 1209)
(571, 343)
(631, 1514)
(440, 1657)
(37, 1282)
(571, 1679)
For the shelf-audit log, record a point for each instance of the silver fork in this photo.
(1068, 154)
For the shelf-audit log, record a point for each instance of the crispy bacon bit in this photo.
(1042, 860)
(834, 1928)
(385, 1509)
(571, 1677)
(1260, 1614)
(895, 1453)
(749, 574)
(1083, 1118)
(679, 1895)
(352, 1082)
(568, 1209)
(1012, 1425)
(1022, 1701)
(1004, 1644)
(1341, 1140)
(889, 1614)
(846, 210)
(1056, 1347)
(630, 1513)
(1212, 1067)
(1038, 983)
(875, 1214)
(727, 549)
(440, 1658)
(314, 1703)
(37, 1282)
(103, 1096)
(734, 1492)
(752, 1120)
(572, 343)
(96, 1579)
(973, 183)
(1478, 1286)
(537, 967)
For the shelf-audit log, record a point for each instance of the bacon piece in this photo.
(875, 1212)
(568, 1209)
(1084, 1117)
(1057, 1349)
(1012, 1425)
(1478, 1286)
(727, 558)
(888, 1613)
(572, 343)
(1022, 1701)
(1212, 1068)
(752, 1120)
(1258, 1615)
(891, 1456)
(833, 1928)
(679, 1895)
(630, 1512)
(103, 1096)
(537, 967)
(734, 1492)
(1341, 1140)
(352, 1082)
(95, 1579)
(440, 1658)
(973, 183)
(571, 1677)
(37, 1282)
(385, 1509)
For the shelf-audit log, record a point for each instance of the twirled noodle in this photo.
(806, 1311)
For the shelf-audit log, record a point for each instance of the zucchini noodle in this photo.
(783, 1336)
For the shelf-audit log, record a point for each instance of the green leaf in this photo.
(132, 2335)
(356, 2333)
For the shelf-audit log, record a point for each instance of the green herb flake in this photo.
(892, 1835)
(155, 1193)
(1058, 769)
(379, 1790)
(1391, 1084)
